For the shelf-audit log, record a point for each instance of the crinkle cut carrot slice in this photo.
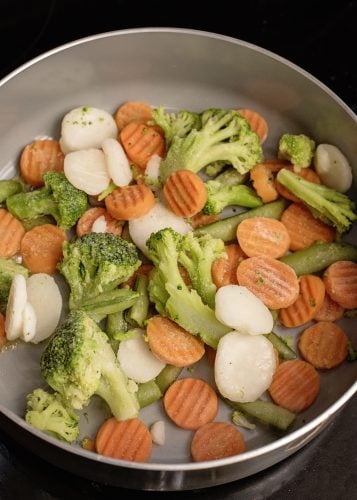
(132, 111)
(308, 303)
(11, 234)
(224, 271)
(141, 142)
(125, 440)
(272, 281)
(39, 157)
(263, 236)
(340, 280)
(324, 345)
(216, 440)
(295, 385)
(191, 403)
(185, 193)
(130, 202)
(257, 123)
(172, 344)
(41, 248)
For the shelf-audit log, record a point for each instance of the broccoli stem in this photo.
(267, 412)
(110, 302)
(8, 188)
(226, 229)
(139, 311)
(231, 177)
(319, 256)
(113, 388)
(281, 346)
(201, 319)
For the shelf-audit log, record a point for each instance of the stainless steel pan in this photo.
(178, 69)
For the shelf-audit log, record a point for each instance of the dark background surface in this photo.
(318, 36)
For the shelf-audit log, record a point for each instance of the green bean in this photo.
(167, 376)
(8, 188)
(116, 323)
(148, 393)
(226, 229)
(319, 256)
(266, 412)
(281, 346)
(139, 311)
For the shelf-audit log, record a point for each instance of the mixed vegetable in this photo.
(130, 210)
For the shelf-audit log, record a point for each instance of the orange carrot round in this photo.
(172, 344)
(200, 219)
(263, 236)
(185, 193)
(141, 142)
(257, 123)
(304, 229)
(132, 111)
(11, 234)
(340, 280)
(295, 385)
(130, 202)
(308, 303)
(263, 182)
(324, 345)
(3, 339)
(216, 440)
(306, 173)
(190, 403)
(329, 311)
(41, 248)
(39, 157)
(272, 281)
(224, 271)
(125, 440)
(85, 223)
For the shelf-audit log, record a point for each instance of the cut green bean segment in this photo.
(116, 323)
(138, 313)
(319, 256)
(267, 412)
(148, 393)
(285, 352)
(8, 188)
(226, 229)
(238, 418)
(167, 376)
(111, 302)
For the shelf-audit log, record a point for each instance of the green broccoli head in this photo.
(96, 263)
(8, 269)
(197, 254)
(58, 198)
(173, 124)
(170, 294)
(79, 362)
(220, 196)
(298, 149)
(47, 412)
(224, 136)
(329, 205)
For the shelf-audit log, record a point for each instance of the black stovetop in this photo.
(319, 36)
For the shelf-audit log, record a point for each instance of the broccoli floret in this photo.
(96, 263)
(298, 149)
(58, 198)
(9, 188)
(224, 136)
(47, 412)
(197, 254)
(79, 362)
(171, 295)
(8, 269)
(220, 196)
(173, 124)
(326, 204)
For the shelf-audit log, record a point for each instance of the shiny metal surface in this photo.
(178, 69)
